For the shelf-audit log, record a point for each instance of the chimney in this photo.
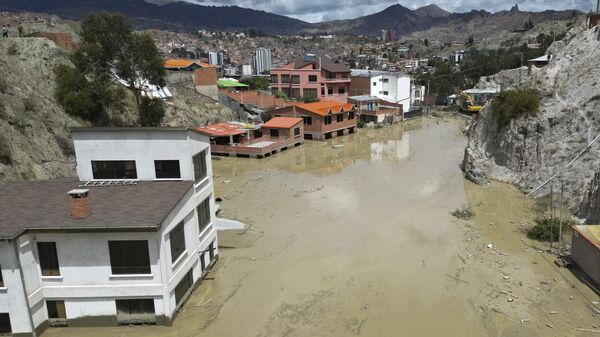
(80, 204)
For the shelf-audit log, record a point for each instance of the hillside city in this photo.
(174, 169)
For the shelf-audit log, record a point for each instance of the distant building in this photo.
(539, 62)
(388, 86)
(312, 75)
(388, 35)
(322, 120)
(215, 58)
(262, 61)
(246, 70)
(126, 242)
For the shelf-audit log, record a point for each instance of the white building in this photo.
(215, 58)
(246, 70)
(262, 61)
(390, 86)
(125, 242)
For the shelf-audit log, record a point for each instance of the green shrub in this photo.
(511, 104)
(546, 228)
(310, 99)
(360, 124)
(464, 212)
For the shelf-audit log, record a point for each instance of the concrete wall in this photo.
(12, 295)
(142, 146)
(587, 256)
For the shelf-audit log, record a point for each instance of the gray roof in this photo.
(44, 205)
(326, 63)
(363, 98)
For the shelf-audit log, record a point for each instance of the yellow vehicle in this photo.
(473, 100)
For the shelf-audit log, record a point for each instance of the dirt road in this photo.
(359, 241)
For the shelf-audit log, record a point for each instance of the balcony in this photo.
(336, 80)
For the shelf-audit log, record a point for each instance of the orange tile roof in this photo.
(322, 108)
(282, 122)
(184, 63)
(222, 129)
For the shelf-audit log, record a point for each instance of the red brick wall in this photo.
(360, 86)
(206, 76)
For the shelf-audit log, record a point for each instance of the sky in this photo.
(325, 10)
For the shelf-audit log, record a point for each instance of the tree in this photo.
(426, 42)
(470, 41)
(257, 83)
(109, 47)
(152, 111)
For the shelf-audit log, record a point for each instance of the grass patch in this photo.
(465, 213)
(546, 228)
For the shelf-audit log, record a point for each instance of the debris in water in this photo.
(525, 320)
(490, 246)
(338, 146)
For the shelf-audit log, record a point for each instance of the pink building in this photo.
(312, 76)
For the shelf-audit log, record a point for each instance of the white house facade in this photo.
(389, 86)
(126, 242)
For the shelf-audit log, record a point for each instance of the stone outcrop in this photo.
(528, 151)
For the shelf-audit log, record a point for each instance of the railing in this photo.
(245, 149)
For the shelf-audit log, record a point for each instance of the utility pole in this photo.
(560, 219)
(551, 215)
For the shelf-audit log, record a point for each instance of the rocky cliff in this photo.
(529, 151)
(35, 141)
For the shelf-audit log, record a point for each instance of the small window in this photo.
(274, 79)
(296, 79)
(56, 310)
(199, 161)
(297, 132)
(274, 133)
(167, 169)
(48, 258)
(129, 257)
(340, 117)
(135, 311)
(114, 169)
(5, 327)
(307, 120)
(285, 78)
(341, 90)
(328, 119)
(351, 115)
(312, 78)
(385, 93)
(329, 91)
(385, 80)
(177, 240)
(345, 75)
(211, 251)
(203, 211)
(183, 287)
(374, 84)
(1, 278)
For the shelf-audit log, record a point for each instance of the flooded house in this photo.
(124, 242)
(371, 109)
(322, 120)
(254, 141)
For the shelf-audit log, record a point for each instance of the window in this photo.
(129, 257)
(167, 169)
(295, 93)
(328, 119)
(312, 78)
(211, 251)
(183, 286)
(322, 91)
(114, 169)
(285, 78)
(5, 327)
(341, 90)
(385, 93)
(1, 279)
(307, 120)
(199, 161)
(48, 258)
(56, 309)
(135, 311)
(340, 117)
(274, 133)
(203, 215)
(310, 93)
(345, 75)
(177, 239)
(385, 80)
(274, 79)
(296, 79)
(351, 115)
(297, 132)
(329, 91)
(374, 84)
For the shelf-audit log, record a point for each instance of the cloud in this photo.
(325, 10)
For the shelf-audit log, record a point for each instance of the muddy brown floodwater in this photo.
(359, 241)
